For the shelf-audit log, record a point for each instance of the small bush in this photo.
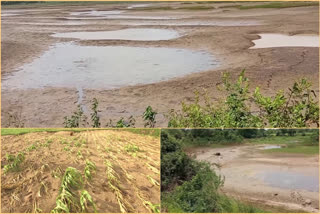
(75, 120)
(297, 108)
(94, 115)
(149, 116)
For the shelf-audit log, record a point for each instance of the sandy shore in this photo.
(24, 39)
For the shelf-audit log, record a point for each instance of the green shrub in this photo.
(189, 186)
(149, 116)
(297, 108)
(199, 195)
(94, 115)
(75, 120)
(176, 166)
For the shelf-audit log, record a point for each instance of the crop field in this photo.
(109, 171)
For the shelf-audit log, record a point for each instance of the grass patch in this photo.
(307, 144)
(287, 140)
(148, 131)
(278, 140)
(280, 5)
(20, 131)
(307, 150)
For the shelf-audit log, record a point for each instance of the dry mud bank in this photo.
(133, 160)
(224, 31)
(280, 181)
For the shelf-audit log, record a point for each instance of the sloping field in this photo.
(105, 171)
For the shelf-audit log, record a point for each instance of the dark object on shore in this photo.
(217, 154)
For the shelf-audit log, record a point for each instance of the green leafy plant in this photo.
(126, 123)
(86, 200)
(75, 120)
(68, 199)
(32, 147)
(296, 109)
(94, 115)
(132, 148)
(89, 169)
(14, 162)
(155, 208)
(190, 186)
(149, 116)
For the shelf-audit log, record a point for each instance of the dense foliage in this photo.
(176, 166)
(297, 108)
(206, 137)
(191, 186)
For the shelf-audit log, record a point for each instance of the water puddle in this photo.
(138, 5)
(142, 34)
(280, 40)
(96, 13)
(9, 14)
(290, 180)
(272, 147)
(91, 67)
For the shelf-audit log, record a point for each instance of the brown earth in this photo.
(37, 183)
(241, 166)
(24, 38)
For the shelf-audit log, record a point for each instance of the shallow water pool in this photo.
(290, 180)
(281, 40)
(272, 147)
(96, 13)
(107, 67)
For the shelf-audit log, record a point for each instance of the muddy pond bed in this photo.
(107, 67)
(140, 34)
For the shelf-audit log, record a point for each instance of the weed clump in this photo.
(14, 162)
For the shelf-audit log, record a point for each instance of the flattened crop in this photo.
(105, 171)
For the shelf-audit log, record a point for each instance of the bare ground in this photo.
(271, 69)
(241, 165)
(35, 186)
